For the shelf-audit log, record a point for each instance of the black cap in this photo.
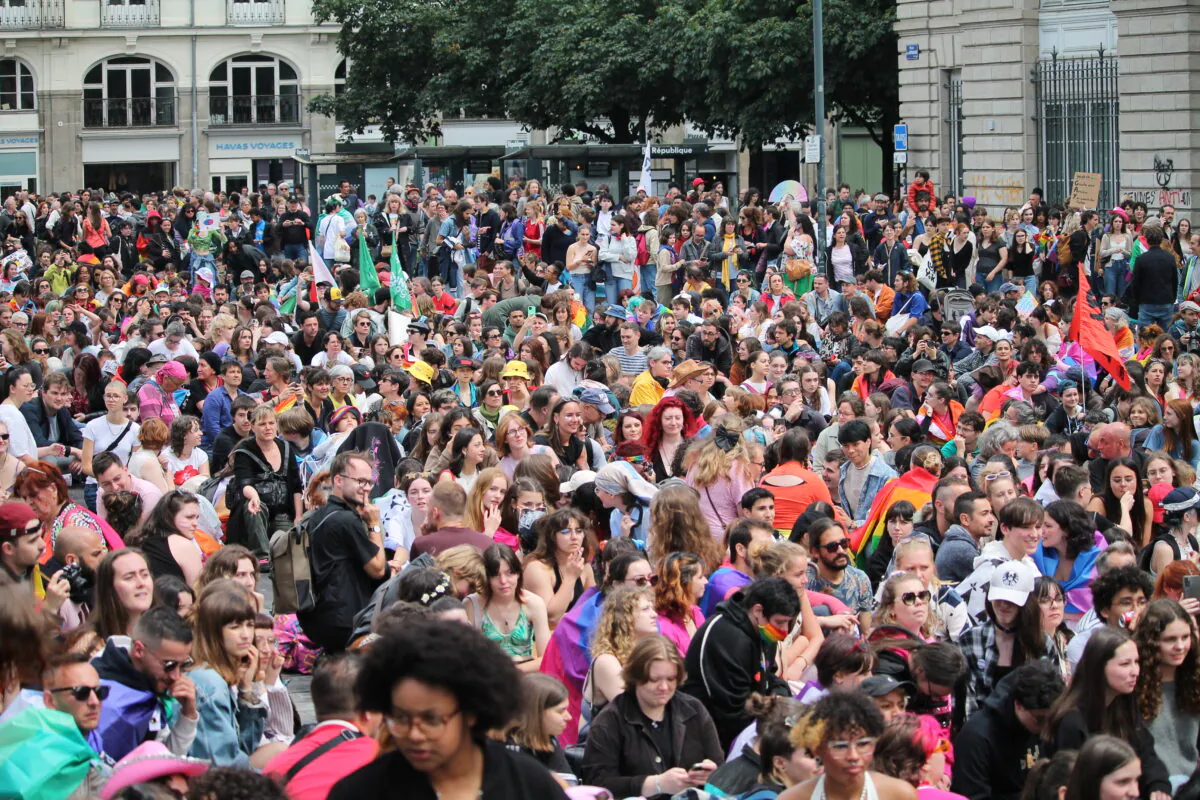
(879, 685)
(923, 365)
(362, 376)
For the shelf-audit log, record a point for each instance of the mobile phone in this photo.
(1191, 586)
(699, 766)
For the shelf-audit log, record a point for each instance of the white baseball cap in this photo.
(1012, 581)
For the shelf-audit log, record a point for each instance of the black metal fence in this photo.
(130, 112)
(1078, 123)
(954, 131)
(276, 109)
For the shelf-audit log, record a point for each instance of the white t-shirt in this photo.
(159, 348)
(101, 433)
(20, 439)
(180, 471)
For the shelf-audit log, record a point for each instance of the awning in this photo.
(323, 159)
(446, 152)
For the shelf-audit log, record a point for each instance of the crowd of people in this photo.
(559, 493)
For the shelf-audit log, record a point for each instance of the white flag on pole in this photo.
(321, 273)
(644, 182)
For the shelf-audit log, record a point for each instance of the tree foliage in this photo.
(615, 70)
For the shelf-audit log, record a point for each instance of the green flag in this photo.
(368, 278)
(400, 299)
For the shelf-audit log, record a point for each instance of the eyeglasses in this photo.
(363, 482)
(82, 693)
(842, 747)
(833, 547)
(912, 598)
(1050, 602)
(399, 723)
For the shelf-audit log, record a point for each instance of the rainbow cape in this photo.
(569, 654)
(915, 486)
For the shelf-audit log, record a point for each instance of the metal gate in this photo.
(954, 131)
(1077, 123)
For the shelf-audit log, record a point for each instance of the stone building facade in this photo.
(1004, 95)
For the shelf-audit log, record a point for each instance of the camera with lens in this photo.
(73, 575)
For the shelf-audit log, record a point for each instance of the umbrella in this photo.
(794, 188)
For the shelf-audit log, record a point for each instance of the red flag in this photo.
(1087, 328)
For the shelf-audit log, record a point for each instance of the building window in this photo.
(16, 86)
(129, 92)
(339, 79)
(254, 90)
(954, 133)
(1077, 122)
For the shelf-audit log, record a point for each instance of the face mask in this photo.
(526, 521)
(772, 634)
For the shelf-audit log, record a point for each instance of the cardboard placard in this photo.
(1085, 190)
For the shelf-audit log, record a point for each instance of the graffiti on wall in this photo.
(1164, 195)
(1155, 198)
(993, 190)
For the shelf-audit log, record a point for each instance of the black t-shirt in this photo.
(660, 734)
(307, 352)
(340, 548)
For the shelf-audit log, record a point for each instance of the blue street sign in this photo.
(912, 52)
(900, 137)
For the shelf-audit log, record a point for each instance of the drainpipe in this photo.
(195, 103)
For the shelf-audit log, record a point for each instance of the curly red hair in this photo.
(652, 428)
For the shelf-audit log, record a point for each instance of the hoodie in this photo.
(956, 555)
(994, 751)
(133, 713)
(726, 662)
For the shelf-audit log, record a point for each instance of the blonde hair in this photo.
(711, 463)
(614, 633)
(463, 562)
(474, 515)
(771, 559)
(889, 598)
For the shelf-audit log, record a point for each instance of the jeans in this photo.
(199, 260)
(1151, 313)
(583, 291)
(614, 287)
(295, 251)
(90, 491)
(1116, 278)
(839, 369)
(1030, 283)
(646, 274)
(990, 286)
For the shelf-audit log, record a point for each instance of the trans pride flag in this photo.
(916, 486)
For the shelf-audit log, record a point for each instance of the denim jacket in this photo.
(878, 474)
(229, 729)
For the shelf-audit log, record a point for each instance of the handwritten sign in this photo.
(1085, 190)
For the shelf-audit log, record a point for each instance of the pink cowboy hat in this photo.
(149, 761)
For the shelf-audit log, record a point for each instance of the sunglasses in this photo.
(912, 598)
(494, 393)
(647, 580)
(82, 693)
(171, 666)
(996, 476)
(834, 547)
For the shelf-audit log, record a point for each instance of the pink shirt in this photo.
(150, 495)
(719, 502)
(677, 633)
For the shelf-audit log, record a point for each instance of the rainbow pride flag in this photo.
(915, 486)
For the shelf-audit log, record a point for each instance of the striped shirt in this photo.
(634, 364)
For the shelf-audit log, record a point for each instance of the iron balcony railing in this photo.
(129, 14)
(31, 14)
(254, 12)
(136, 112)
(276, 109)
